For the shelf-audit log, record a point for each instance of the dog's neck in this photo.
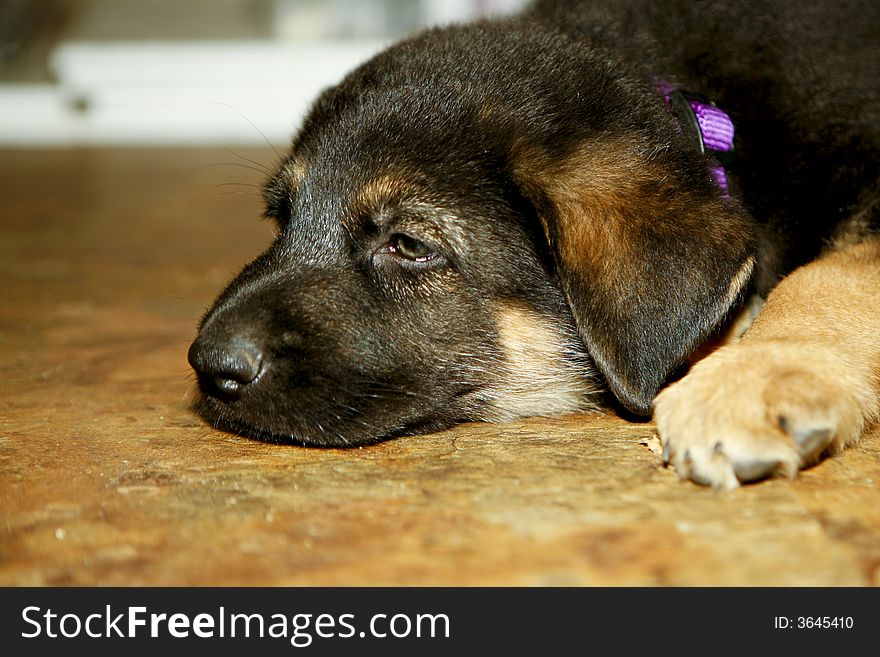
(710, 126)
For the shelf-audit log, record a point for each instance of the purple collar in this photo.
(710, 126)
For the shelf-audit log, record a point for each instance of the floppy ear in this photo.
(649, 257)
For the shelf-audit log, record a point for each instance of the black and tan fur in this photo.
(504, 219)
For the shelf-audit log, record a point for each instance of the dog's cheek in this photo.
(543, 368)
(405, 361)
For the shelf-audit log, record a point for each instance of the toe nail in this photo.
(784, 424)
(700, 478)
(812, 441)
(753, 470)
(683, 465)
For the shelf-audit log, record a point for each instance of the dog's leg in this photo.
(803, 381)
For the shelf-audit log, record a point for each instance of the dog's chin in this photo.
(303, 433)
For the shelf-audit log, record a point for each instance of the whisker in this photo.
(254, 126)
(259, 168)
(262, 167)
(237, 194)
(237, 184)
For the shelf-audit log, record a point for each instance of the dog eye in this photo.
(410, 248)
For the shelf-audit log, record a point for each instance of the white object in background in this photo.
(34, 115)
(203, 92)
(443, 12)
(177, 92)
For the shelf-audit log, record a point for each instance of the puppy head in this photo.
(460, 237)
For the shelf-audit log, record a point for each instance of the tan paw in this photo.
(751, 411)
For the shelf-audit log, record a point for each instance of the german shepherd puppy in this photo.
(511, 218)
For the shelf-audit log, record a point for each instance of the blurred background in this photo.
(189, 72)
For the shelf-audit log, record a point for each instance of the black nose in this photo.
(225, 366)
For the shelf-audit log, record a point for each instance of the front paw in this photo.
(751, 411)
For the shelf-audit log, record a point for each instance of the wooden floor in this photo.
(107, 259)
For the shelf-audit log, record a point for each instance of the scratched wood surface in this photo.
(107, 258)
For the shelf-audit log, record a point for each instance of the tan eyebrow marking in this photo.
(294, 172)
(380, 190)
